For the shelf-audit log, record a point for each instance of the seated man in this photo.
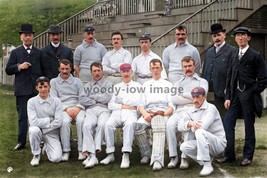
(45, 119)
(95, 98)
(182, 99)
(124, 102)
(68, 88)
(206, 137)
(156, 107)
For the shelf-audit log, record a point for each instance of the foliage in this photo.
(40, 13)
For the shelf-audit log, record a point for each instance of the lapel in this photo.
(245, 55)
(221, 51)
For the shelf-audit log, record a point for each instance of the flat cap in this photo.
(89, 28)
(125, 67)
(198, 91)
(242, 30)
(145, 37)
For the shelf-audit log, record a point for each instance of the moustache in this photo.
(188, 71)
(181, 39)
(217, 41)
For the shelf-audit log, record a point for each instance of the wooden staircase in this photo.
(197, 15)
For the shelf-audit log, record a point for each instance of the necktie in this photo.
(240, 55)
(217, 49)
(28, 50)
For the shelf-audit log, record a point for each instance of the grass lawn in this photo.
(20, 160)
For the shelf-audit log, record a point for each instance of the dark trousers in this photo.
(21, 102)
(219, 103)
(242, 103)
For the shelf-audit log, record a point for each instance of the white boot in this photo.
(65, 156)
(86, 160)
(35, 160)
(92, 162)
(109, 159)
(125, 163)
(145, 160)
(173, 163)
(184, 164)
(81, 156)
(157, 166)
(207, 169)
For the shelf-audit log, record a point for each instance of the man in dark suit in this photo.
(246, 79)
(27, 63)
(216, 63)
(55, 51)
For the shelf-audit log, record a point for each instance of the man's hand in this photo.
(227, 104)
(77, 70)
(124, 106)
(24, 65)
(73, 111)
(193, 124)
(148, 117)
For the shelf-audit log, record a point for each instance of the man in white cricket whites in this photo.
(156, 107)
(68, 88)
(182, 100)
(95, 97)
(123, 105)
(206, 137)
(45, 119)
(140, 64)
(114, 58)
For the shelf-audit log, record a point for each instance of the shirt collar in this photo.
(220, 46)
(117, 51)
(41, 101)
(26, 47)
(68, 80)
(100, 82)
(55, 45)
(181, 45)
(243, 50)
(85, 44)
(202, 107)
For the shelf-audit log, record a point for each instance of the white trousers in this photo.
(173, 77)
(120, 118)
(51, 140)
(65, 130)
(85, 75)
(93, 128)
(114, 80)
(203, 147)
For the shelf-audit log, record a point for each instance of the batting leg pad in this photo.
(159, 128)
(141, 139)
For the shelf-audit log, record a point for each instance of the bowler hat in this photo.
(198, 91)
(54, 29)
(216, 28)
(145, 37)
(89, 28)
(242, 30)
(26, 28)
(125, 67)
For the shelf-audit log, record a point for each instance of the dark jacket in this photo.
(62, 52)
(215, 67)
(251, 73)
(25, 79)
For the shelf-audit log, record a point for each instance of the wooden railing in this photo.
(99, 13)
(201, 21)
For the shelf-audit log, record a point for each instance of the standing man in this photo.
(182, 100)
(27, 63)
(86, 53)
(55, 51)
(173, 55)
(45, 119)
(217, 60)
(156, 107)
(246, 79)
(114, 58)
(123, 104)
(68, 89)
(95, 97)
(141, 62)
(204, 125)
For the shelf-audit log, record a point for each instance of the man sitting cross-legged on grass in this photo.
(95, 97)
(123, 104)
(45, 118)
(204, 129)
(68, 88)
